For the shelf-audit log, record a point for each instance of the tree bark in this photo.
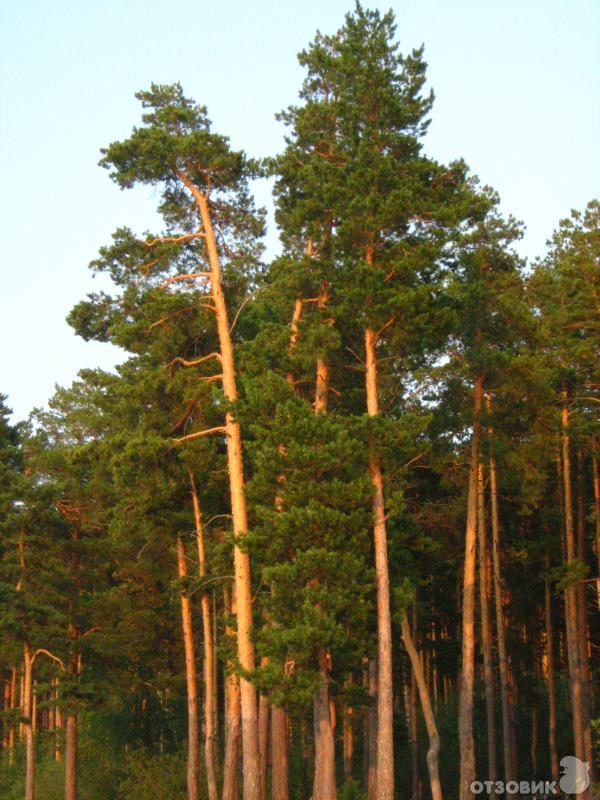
(209, 673)
(486, 633)
(550, 679)
(191, 678)
(243, 587)
(57, 725)
(465, 713)
(324, 786)
(371, 747)
(232, 719)
(71, 757)
(279, 754)
(573, 646)
(500, 622)
(28, 660)
(348, 737)
(11, 730)
(263, 738)
(596, 473)
(582, 617)
(424, 696)
(385, 699)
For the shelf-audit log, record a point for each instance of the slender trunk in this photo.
(57, 725)
(414, 736)
(27, 726)
(232, 719)
(596, 472)
(6, 709)
(11, 730)
(573, 647)
(209, 673)
(348, 736)
(263, 736)
(279, 754)
(324, 786)
(500, 621)
(191, 679)
(551, 681)
(243, 587)
(434, 739)
(385, 700)
(465, 714)
(372, 719)
(71, 757)
(582, 617)
(486, 632)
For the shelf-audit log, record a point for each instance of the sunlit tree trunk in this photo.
(243, 588)
(279, 754)
(465, 713)
(573, 646)
(550, 679)
(209, 673)
(263, 736)
(27, 725)
(190, 674)
(500, 622)
(232, 717)
(385, 729)
(324, 786)
(596, 473)
(486, 632)
(371, 745)
(424, 696)
(582, 616)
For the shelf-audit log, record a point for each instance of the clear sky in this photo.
(516, 83)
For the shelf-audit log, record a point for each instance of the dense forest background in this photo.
(333, 529)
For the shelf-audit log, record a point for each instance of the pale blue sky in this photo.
(517, 96)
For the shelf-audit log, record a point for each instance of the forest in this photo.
(332, 529)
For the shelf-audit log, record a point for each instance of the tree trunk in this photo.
(413, 729)
(11, 730)
(486, 633)
(582, 617)
(71, 757)
(551, 682)
(279, 754)
(324, 787)
(500, 624)
(27, 726)
(465, 713)
(573, 646)
(385, 699)
(243, 587)
(596, 472)
(57, 725)
(263, 738)
(348, 737)
(434, 739)
(191, 679)
(232, 719)
(372, 732)
(209, 673)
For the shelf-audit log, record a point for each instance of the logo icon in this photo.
(576, 776)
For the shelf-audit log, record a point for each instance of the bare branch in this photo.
(184, 363)
(189, 277)
(198, 434)
(186, 237)
(42, 651)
